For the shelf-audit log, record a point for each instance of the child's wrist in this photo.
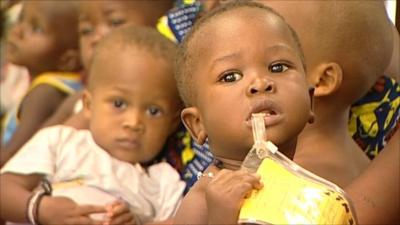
(34, 202)
(44, 210)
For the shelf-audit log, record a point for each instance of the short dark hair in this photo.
(139, 37)
(184, 61)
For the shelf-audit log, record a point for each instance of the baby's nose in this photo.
(134, 122)
(261, 85)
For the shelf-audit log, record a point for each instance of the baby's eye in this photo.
(37, 29)
(154, 111)
(119, 103)
(116, 22)
(231, 77)
(85, 29)
(278, 68)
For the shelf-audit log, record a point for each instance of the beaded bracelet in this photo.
(32, 210)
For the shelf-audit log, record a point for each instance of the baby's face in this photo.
(248, 64)
(134, 105)
(98, 18)
(32, 42)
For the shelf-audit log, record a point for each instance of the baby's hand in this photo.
(62, 210)
(118, 212)
(225, 194)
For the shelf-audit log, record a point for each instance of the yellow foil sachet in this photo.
(291, 198)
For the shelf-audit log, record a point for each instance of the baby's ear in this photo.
(327, 78)
(87, 101)
(69, 61)
(193, 122)
(311, 118)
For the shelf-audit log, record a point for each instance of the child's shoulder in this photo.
(48, 90)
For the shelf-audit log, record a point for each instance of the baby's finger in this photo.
(115, 203)
(120, 209)
(117, 209)
(86, 220)
(253, 179)
(242, 189)
(85, 210)
(122, 219)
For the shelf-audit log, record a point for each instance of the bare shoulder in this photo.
(43, 99)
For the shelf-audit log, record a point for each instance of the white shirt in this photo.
(64, 154)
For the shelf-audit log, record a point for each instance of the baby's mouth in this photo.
(268, 107)
(269, 113)
(129, 143)
(271, 110)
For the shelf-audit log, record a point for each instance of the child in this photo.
(14, 80)
(96, 19)
(382, 112)
(133, 106)
(342, 70)
(223, 77)
(45, 41)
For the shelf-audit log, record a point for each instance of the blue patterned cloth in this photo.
(375, 117)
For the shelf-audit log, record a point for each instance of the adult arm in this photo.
(375, 193)
(393, 70)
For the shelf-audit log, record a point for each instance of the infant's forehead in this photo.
(53, 9)
(238, 23)
(245, 16)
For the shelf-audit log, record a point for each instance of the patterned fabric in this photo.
(66, 83)
(179, 20)
(182, 152)
(189, 158)
(375, 117)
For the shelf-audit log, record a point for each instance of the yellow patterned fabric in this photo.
(375, 118)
